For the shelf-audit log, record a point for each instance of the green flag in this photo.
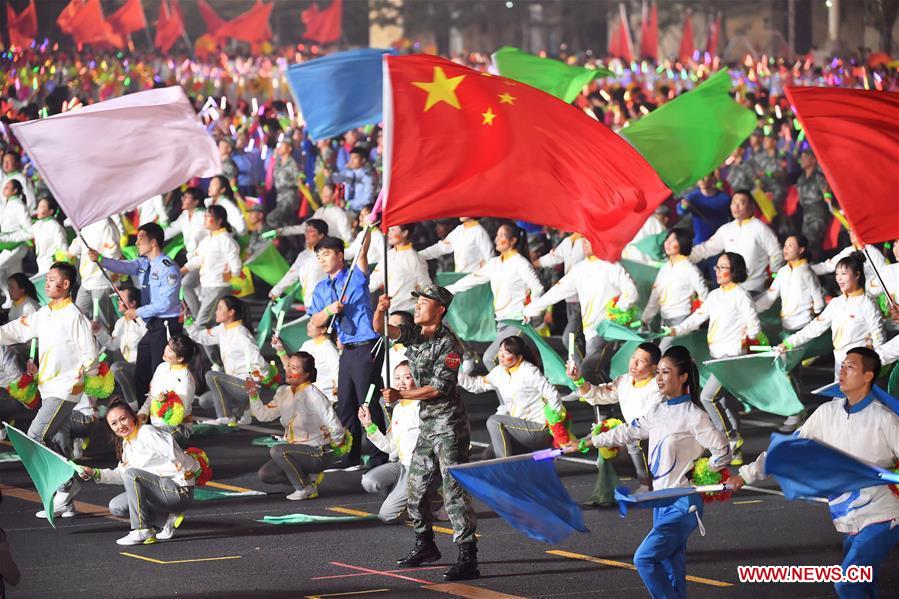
(644, 276)
(698, 345)
(553, 365)
(471, 315)
(689, 137)
(612, 331)
(129, 252)
(555, 78)
(651, 245)
(293, 335)
(39, 281)
(312, 519)
(268, 264)
(175, 245)
(756, 381)
(47, 469)
(270, 315)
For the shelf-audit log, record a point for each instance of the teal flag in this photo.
(612, 331)
(698, 345)
(652, 246)
(268, 264)
(293, 335)
(553, 364)
(174, 245)
(644, 276)
(760, 381)
(312, 519)
(270, 315)
(686, 139)
(47, 469)
(552, 76)
(39, 281)
(471, 315)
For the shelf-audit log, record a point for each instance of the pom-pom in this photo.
(619, 316)
(344, 448)
(558, 425)
(607, 453)
(170, 409)
(695, 303)
(895, 487)
(273, 379)
(204, 473)
(102, 384)
(25, 391)
(703, 475)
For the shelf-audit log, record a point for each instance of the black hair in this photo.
(318, 224)
(409, 228)
(67, 271)
(870, 361)
(25, 283)
(516, 346)
(308, 363)
(405, 317)
(856, 263)
(220, 214)
(738, 272)
(51, 203)
(801, 241)
(117, 403)
(155, 233)
(184, 347)
(16, 187)
(360, 151)
(684, 240)
(240, 310)
(655, 354)
(517, 233)
(745, 192)
(683, 362)
(196, 192)
(132, 294)
(226, 186)
(330, 243)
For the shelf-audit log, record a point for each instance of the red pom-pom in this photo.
(103, 369)
(205, 473)
(895, 487)
(720, 495)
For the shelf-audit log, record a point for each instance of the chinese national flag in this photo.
(649, 32)
(67, 16)
(685, 52)
(169, 27)
(251, 26)
(89, 27)
(129, 18)
(22, 26)
(466, 143)
(855, 136)
(323, 26)
(210, 17)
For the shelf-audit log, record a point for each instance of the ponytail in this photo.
(683, 362)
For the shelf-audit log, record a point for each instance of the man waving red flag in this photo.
(461, 142)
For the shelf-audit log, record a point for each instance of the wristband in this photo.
(99, 258)
(788, 345)
(255, 397)
(95, 475)
(280, 353)
(582, 446)
(580, 382)
(328, 312)
(828, 195)
(371, 429)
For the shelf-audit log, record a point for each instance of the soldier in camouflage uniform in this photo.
(740, 175)
(229, 169)
(287, 172)
(769, 167)
(434, 355)
(812, 190)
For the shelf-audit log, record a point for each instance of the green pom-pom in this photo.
(551, 415)
(702, 475)
(763, 338)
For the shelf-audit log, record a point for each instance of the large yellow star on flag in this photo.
(441, 89)
(507, 98)
(488, 117)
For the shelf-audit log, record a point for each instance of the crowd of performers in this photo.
(180, 335)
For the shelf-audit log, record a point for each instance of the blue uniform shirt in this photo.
(160, 284)
(354, 323)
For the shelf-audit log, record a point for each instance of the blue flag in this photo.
(807, 468)
(650, 499)
(833, 390)
(340, 91)
(526, 492)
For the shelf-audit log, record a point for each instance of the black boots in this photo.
(425, 551)
(466, 567)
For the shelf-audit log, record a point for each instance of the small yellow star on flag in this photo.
(507, 98)
(488, 117)
(441, 89)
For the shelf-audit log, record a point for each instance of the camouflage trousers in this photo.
(434, 452)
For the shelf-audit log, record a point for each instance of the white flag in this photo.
(109, 157)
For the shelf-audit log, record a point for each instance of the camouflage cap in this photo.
(436, 293)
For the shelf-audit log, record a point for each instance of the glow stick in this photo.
(368, 396)
(280, 321)
(33, 351)
(96, 308)
(570, 347)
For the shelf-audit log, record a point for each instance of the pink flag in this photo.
(109, 157)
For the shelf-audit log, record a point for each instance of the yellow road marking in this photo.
(347, 594)
(469, 591)
(225, 487)
(352, 512)
(609, 562)
(179, 561)
(748, 501)
(80, 506)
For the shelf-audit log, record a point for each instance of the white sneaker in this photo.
(467, 366)
(66, 510)
(171, 523)
(7, 304)
(791, 423)
(140, 536)
(77, 448)
(307, 492)
(246, 418)
(2, 433)
(229, 420)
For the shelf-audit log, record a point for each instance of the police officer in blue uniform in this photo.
(160, 284)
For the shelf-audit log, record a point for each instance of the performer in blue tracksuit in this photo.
(679, 431)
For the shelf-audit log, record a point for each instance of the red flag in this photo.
(129, 18)
(649, 33)
(621, 44)
(251, 26)
(463, 142)
(89, 27)
(714, 31)
(854, 134)
(22, 26)
(169, 26)
(791, 202)
(685, 52)
(831, 239)
(323, 26)
(67, 16)
(210, 17)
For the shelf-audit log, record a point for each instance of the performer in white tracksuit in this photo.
(873, 260)
(469, 243)
(407, 271)
(305, 268)
(678, 432)
(865, 428)
(569, 252)
(327, 359)
(49, 235)
(172, 375)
